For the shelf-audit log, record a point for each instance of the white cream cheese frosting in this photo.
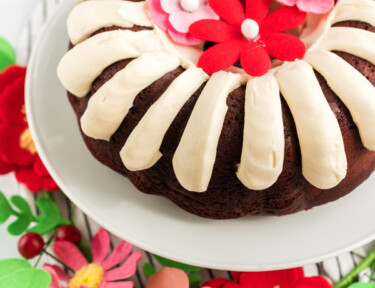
(195, 156)
(86, 61)
(141, 150)
(90, 16)
(110, 104)
(262, 156)
(357, 93)
(324, 162)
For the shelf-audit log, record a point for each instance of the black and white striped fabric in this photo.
(333, 269)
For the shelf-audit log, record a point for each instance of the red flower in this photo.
(290, 278)
(17, 149)
(252, 37)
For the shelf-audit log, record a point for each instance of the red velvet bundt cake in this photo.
(227, 107)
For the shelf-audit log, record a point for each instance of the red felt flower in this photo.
(290, 278)
(251, 36)
(17, 149)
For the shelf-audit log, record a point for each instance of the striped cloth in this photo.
(333, 269)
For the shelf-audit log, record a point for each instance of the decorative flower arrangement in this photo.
(313, 6)
(99, 273)
(175, 17)
(17, 149)
(251, 35)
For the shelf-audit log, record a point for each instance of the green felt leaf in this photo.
(362, 285)
(148, 270)
(5, 209)
(21, 204)
(20, 225)
(50, 217)
(85, 248)
(7, 54)
(10, 265)
(169, 263)
(194, 280)
(26, 278)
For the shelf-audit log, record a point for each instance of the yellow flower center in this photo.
(26, 142)
(90, 276)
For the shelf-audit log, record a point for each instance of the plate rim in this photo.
(66, 190)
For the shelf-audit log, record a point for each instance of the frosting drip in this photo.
(356, 10)
(90, 16)
(111, 103)
(195, 156)
(357, 93)
(354, 41)
(262, 156)
(142, 152)
(81, 65)
(324, 162)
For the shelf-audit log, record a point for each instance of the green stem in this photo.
(57, 260)
(352, 276)
(45, 247)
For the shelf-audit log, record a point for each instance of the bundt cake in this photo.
(227, 116)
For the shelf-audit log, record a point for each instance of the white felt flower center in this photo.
(190, 5)
(250, 29)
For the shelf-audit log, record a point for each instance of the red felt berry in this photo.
(30, 245)
(68, 233)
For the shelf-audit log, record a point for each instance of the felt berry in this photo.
(30, 245)
(68, 233)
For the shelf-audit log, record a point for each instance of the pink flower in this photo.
(176, 16)
(99, 273)
(313, 6)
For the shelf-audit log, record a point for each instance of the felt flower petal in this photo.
(215, 283)
(285, 46)
(10, 145)
(284, 18)
(183, 38)
(282, 278)
(168, 278)
(233, 285)
(170, 6)
(34, 182)
(181, 20)
(316, 6)
(39, 167)
(121, 251)
(158, 15)
(257, 9)
(255, 60)
(313, 282)
(55, 280)
(5, 168)
(126, 270)
(288, 2)
(122, 284)
(10, 74)
(61, 275)
(231, 11)
(100, 245)
(69, 254)
(214, 31)
(12, 102)
(221, 56)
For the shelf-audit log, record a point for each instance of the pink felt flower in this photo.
(176, 16)
(313, 6)
(98, 274)
(168, 278)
